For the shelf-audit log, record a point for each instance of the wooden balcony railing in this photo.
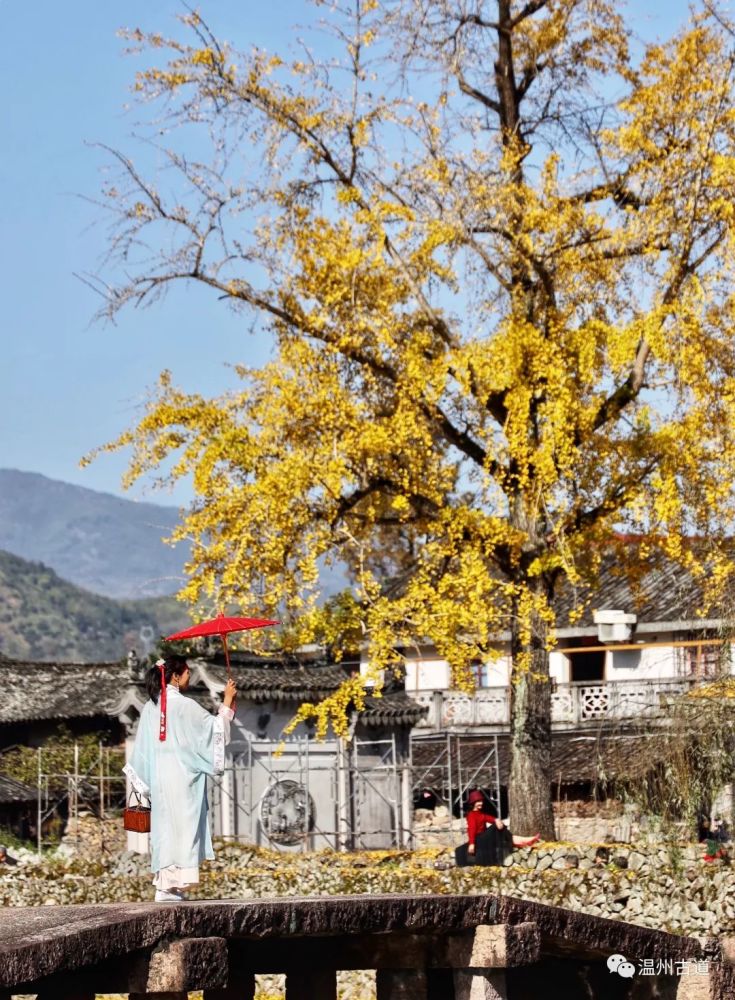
(571, 704)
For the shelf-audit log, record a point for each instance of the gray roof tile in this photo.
(77, 690)
(59, 690)
(15, 791)
(575, 757)
(666, 593)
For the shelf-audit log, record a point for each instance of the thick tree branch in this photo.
(476, 94)
(611, 501)
(616, 402)
(532, 7)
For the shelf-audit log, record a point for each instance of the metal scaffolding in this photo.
(301, 796)
(98, 787)
(312, 795)
(437, 764)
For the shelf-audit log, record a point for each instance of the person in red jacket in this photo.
(479, 821)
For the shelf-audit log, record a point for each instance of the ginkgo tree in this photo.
(492, 243)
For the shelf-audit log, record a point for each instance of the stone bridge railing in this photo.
(571, 704)
(422, 948)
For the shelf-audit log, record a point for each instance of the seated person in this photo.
(489, 841)
(5, 858)
(704, 829)
(721, 830)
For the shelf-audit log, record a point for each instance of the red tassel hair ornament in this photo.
(162, 726)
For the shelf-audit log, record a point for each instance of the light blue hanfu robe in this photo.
(173, 774)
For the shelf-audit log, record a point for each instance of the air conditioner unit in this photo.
(614, 625)
(614, 633)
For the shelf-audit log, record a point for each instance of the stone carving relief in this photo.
(286, 812)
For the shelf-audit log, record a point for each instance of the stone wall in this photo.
(90, 837)
(576, 821)
(667, 888)
(655, 886)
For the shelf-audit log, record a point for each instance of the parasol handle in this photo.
(223, 637)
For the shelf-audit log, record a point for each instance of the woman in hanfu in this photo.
(178, 743)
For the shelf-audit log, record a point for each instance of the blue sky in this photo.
(68, 384)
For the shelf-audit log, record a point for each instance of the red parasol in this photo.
(221, 626)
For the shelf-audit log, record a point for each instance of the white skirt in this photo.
(175, 877)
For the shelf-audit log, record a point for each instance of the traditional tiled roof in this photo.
(666, 593)
(274, 682)
(574, 757)
(12, 791)
(59, 690)
(312, 682)
(35, 691)
(393, 709)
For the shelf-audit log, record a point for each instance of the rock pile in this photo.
(90, 837)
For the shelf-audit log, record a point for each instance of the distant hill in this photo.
(98, 541)
(42, 617)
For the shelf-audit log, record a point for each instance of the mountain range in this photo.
(97, 541)
(86, 576)
(43, 617)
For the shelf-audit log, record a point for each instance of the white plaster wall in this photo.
(647, 663)
(430, 674)
(433, 674)
(659, 662)
(559, 667)
(245, 723)
(495, 672)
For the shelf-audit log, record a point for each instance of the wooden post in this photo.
(344, 832)
(406, 806)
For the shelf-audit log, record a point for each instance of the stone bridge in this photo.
(423, 948)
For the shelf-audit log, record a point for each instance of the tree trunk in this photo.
(530, 734)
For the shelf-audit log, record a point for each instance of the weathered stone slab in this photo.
(697, 987)
(573, 933)
(727, 946)
(181, 965)
(494, 946)
(40, 941)
(51, 941)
